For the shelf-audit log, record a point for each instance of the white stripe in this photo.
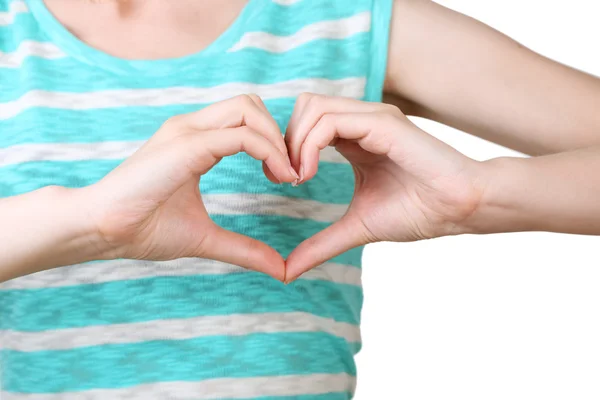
(330, 155)
(16, 7)
(348, 87)
(118, 270)
(228, 204)
(211, 389)
(29, 48)
(98, 151)
(266, 204)
(177, 329)
(286, 2)
(335, 29)
(337, 273)
(68, 152)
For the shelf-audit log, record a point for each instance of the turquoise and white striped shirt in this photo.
(188, 328)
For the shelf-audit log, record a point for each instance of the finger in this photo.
(234, 248)
(355, 154)
(292, 126)
(260, 104)
(311, 107)
(244, 110)
(209, 147)
(372, 131)
(269, 175)
(343, 235)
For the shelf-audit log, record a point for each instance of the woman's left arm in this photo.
(453, 69)
(411, 186)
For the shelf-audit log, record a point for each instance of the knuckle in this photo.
(386, 118)
(328, 119)
(244, 100)
(395, 111)
(325, 123)
(245, 131)
(314, 102)
(390, 108)
(304, 97)
(254, 97)
(174, 121)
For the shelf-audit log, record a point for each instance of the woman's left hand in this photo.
(409, 185)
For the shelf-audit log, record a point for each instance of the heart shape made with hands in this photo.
(316, 123)
(408, 185)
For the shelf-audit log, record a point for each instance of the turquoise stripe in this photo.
(282, 233)
(67, 74)
(117, 366)
(174, 297)
(303, 13)
(24, 28)
(232, 175)
(111, 124)
(4, 5)
(44, 125)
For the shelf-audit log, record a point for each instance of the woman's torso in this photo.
(188, 328)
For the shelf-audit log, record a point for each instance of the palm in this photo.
(176, 228)
(383, 204)
(165, 225)
(394, 204)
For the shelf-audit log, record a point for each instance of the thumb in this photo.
(234, 248)
(347, 233)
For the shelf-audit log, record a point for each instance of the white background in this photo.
(512, 316)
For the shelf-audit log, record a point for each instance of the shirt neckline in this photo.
(80, 50)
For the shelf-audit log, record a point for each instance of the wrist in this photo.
(84, 224)
(500, 208)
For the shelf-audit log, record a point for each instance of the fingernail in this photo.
(293, 172)
(301, 173)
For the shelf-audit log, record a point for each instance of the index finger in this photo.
(311, 107)
(243, 110)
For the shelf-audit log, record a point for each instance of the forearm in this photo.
(555, 193)
(44, 229)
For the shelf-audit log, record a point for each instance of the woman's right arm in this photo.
(150, 206)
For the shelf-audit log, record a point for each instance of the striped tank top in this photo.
(188, 328)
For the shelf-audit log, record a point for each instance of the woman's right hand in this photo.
(150, 206)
